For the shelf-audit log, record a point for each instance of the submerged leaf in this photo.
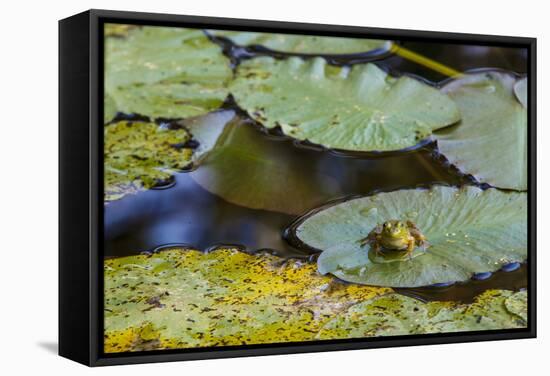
(182, 298)
(306, 44)
(165, 72)
(140, 155)
(361, 109)
(468, 230)
(248, 169)
(490, 143)
(207, 129)
(394, 314)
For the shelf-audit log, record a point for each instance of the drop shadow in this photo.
(51, 347)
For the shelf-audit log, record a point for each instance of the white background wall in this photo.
(28, 197)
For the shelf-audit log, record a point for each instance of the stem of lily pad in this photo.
(422, 60)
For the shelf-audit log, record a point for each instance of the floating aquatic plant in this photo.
(360, 108)
(207, 129)
(165, 72)
(395, 314)
(117, 30)
(306, 44)
(520, 89)
(469, 231)
(249, 170)
(141, 155)
(490, 142)
(109, 108)
(182, 298)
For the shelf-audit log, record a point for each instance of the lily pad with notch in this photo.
(469, 230)
(165, 72)
(490, 142)
(356, 109)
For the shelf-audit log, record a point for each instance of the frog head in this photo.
(394, 229)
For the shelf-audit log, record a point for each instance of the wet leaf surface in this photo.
(359, 109)
(141, 155)
(517, 304)
(305, 44)
(117, 30)
(181, 298)
(490, 142)
(468, 230)
(165, 72)
(394, 314)
(109, 109)
(249, 170)
(520, 90)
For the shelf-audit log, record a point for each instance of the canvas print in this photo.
(266, 188)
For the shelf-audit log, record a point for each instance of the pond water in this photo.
(247, 196)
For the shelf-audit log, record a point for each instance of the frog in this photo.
(395, 235)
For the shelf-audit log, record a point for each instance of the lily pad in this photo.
(117, 30)
(394, 314)
(469, 230)
(248, 169)
(520, 89)
(360, 108)
(181, 298)
(490, 143)
(141, 155)
(517, 304)
(109, 109)
(165, 72)
(306, 44)
(207, 129)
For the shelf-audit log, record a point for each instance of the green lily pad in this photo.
(165, 72)
(109, 109)
(469, 231)
(393, 314)
(306, 44)
(517, 304)
(117, 30)
(140, 155)
(248, 169)
(360, 108)
(181, 298)
(520, 89)
(490, 143)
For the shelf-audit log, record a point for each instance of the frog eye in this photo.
(387, 225)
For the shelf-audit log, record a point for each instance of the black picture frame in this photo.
(81, 200)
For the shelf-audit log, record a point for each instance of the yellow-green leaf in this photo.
(182, 298)
(140, 155)
(394, 314)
